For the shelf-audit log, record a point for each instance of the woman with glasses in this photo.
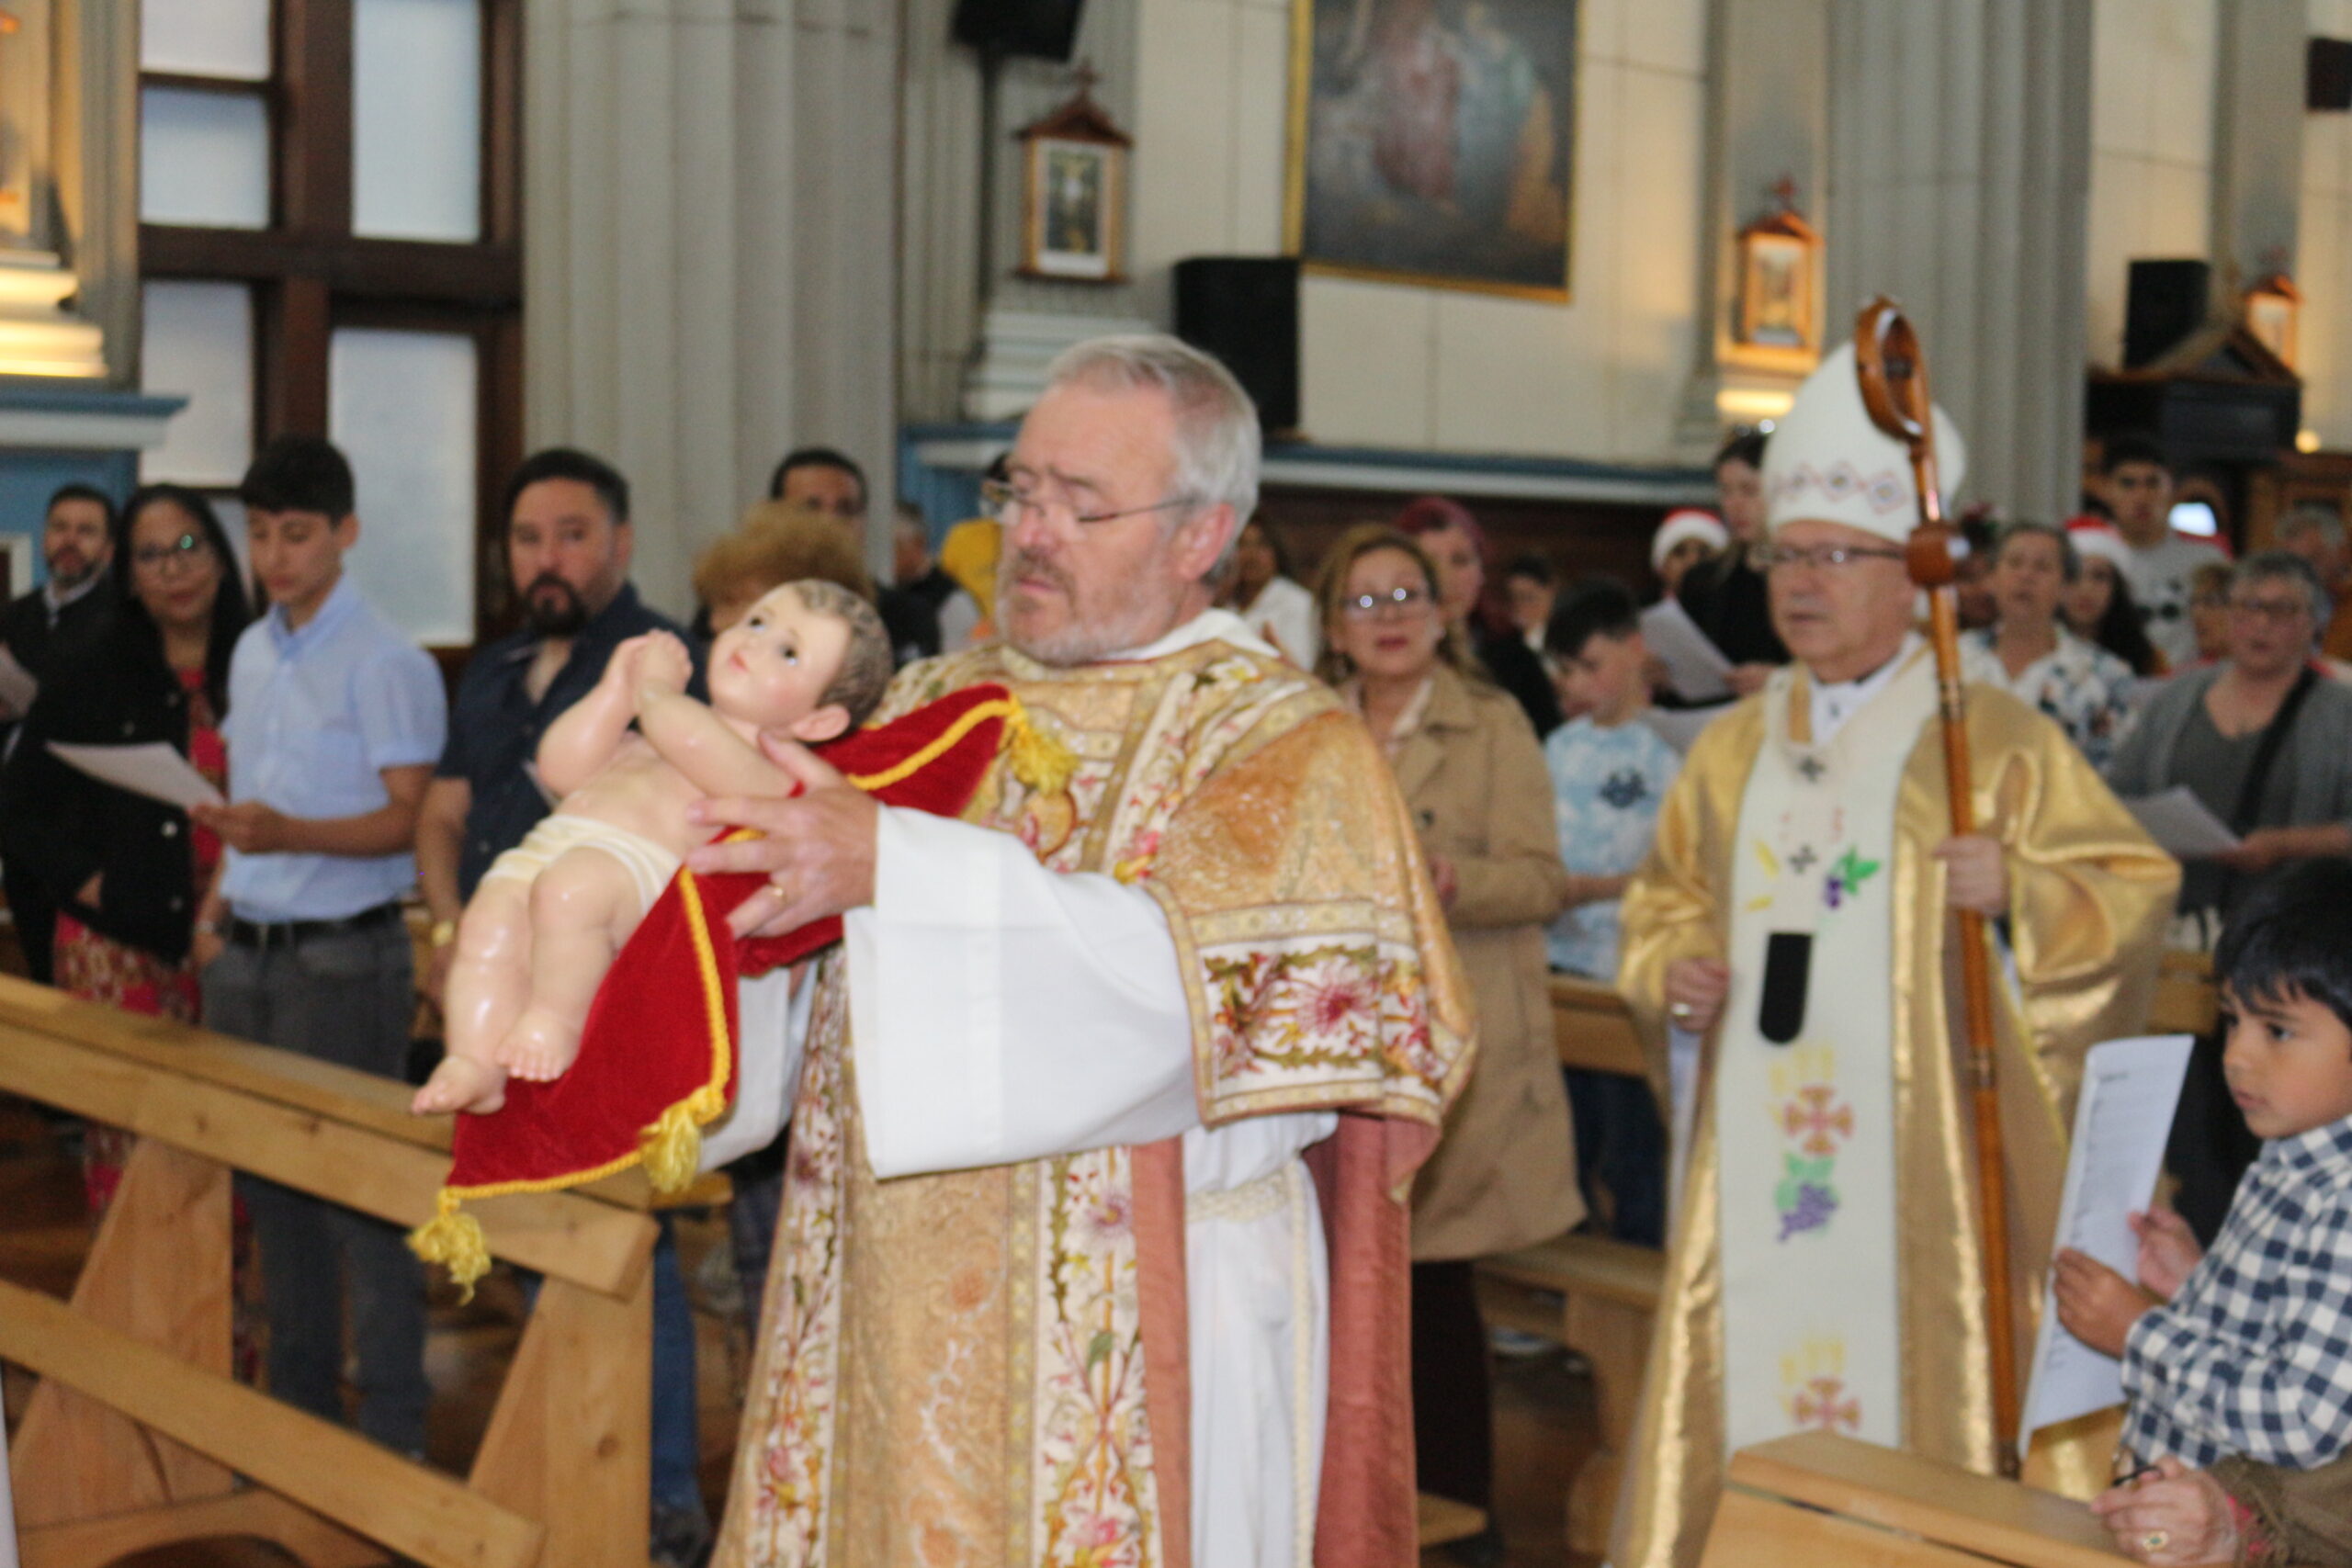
(127, 871)
(1475, 782)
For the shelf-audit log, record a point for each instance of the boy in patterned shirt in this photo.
(2251, 1353)
(1609, 770)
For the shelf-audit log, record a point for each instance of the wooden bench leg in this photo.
(1616, 1338)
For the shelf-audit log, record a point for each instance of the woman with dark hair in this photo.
(2098, 604)
(1458, 547)
(127, 871)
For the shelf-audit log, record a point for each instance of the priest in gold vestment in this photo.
(1093, 1240)
(1795, 917)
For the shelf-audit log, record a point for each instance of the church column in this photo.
(1959, 176)
(710, 251)
(2257, 145)
(1768, 120)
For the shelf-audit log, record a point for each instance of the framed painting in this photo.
(1432, 142)
(1074, 194)
(1779, 263)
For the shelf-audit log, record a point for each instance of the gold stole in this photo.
(1804, 1091)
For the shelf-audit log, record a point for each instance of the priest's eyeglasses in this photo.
(1787, 557)
(1402, 601)
(1008, 506)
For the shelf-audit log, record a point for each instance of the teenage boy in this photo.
(2247, 1356)
(334, 721)
(2140, 493)
(1609, 772)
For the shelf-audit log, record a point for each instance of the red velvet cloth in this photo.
(649, 1039)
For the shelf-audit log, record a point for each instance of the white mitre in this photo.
(1826, 461)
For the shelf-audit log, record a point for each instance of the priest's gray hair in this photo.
(1217, 445)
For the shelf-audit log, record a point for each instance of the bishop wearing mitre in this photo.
(1796, 915)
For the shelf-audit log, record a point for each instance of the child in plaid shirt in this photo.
(2252, 1354)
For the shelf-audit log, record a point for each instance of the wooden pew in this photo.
(1609, 1290)
(1821, 1501)
(136, 1435)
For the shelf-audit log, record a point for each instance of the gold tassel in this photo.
(454, 1239)
(673, 1146)
(1039, 761)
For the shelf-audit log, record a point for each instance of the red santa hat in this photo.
(1685, 523)
(2096, 537)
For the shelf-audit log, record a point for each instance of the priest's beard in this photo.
(1110, 618)
(554, 607)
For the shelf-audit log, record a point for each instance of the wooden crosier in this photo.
(136, 1432)
(1895, 390)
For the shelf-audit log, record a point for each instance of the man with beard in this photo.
(568, 546)
(1093, 1247)
(77, 542)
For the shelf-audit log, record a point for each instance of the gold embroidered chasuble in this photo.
(2089, 895)
(953, 1368)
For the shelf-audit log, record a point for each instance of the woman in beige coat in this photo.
(1471, 772)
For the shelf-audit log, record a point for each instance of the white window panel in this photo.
(402, 405)
(198, 345)
(206, 38)
(416, 120)
(203, 158)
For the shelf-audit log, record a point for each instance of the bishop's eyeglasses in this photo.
(1009, 505)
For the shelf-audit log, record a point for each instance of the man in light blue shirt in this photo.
(335, 719)
(1610, 772)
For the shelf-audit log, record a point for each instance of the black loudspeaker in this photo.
(2327, 75)
(2168, 302)
(1045, 28)
(1244, 310)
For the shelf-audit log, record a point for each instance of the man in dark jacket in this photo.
(76, 545)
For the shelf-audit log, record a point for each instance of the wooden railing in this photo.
(137, 1435)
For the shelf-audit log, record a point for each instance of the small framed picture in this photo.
(1074, 195)
(1777, 284)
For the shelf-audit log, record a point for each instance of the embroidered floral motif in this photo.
(1846, 877)
(1815, 1120)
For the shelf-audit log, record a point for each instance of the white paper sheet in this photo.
(154, 770)
(17, 687)
(2181, 825)
(2129, 1090)
(1695, 667)
(1678, 728)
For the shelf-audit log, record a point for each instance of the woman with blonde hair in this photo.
(1504, 1176)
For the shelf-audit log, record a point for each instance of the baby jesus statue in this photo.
(807, 662)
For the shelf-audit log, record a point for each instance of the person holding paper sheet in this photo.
(124, 871)
(1725, 595)
(2210, 727)
(2243, 1352)
(1824, 1269)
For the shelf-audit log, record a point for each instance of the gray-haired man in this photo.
(1054, 1278)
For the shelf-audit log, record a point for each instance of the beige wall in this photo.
(1600, 377)
(2152, 148)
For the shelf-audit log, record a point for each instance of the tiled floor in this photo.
(1543, 1416)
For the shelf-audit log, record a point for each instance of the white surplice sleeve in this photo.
(1005, 1013)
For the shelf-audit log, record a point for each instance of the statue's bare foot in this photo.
(460, 1083)
(541, 1046)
